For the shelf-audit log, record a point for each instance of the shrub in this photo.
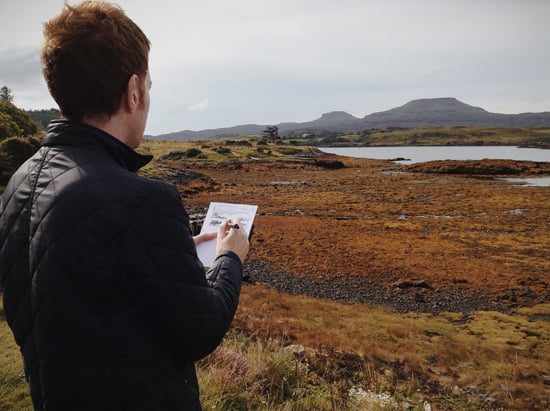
(15, 150)
(289, 151)
(43, 117)
(15, 122)
(246, 373)
(330, 164)
(222, 150)
(178, 155)
(192, 152)
(8, 127)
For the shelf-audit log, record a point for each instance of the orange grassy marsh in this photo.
(463, 234)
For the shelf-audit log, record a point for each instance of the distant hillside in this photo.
(209, 133)
(451, 112)
(43, 117)
(416, 113)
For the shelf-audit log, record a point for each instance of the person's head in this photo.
(91, 52)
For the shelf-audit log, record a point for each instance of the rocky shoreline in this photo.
(434, 237)
(335, 238)
(420, 298)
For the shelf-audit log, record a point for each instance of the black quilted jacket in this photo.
(101, 282)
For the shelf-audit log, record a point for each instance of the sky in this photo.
(220, 63)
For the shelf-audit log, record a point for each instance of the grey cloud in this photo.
(20, 66)
(20, 71)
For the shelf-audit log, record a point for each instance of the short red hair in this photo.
(90, 52)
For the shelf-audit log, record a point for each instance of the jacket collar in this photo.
(72, 133)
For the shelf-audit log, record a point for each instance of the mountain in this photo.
(429, 112)
(446, 111)
(333, 121)
(451, 112)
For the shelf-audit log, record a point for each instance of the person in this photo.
(101, 282)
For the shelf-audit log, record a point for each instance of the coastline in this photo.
(452, 224)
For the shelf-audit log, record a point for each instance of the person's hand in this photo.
(232, 239)
(204, 237)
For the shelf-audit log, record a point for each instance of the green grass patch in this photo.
(498, 355)
(538, 137)
(14, 391)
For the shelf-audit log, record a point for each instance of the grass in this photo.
(246, 147)
(452, 135)
(356, 357)
(241, 148)
(247, 373)
(503, 356)
(14, 392)
(378, 359)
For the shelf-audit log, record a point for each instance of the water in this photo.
(419, 154)
(534, 181)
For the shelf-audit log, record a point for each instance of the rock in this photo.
(407, 406)
(418, 297)
(362, 290)
(297, 349)
(412, 283)
(330, 164)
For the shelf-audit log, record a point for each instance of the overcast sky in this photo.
(219, 63)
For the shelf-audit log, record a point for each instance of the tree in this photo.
(18, 136)
(15, 150)
(15, 122)
(43, 117)
(8, 127)
(272, 133)
(6, 94)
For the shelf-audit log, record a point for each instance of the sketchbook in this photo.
(217, 213)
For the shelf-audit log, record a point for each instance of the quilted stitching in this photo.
(129, 305)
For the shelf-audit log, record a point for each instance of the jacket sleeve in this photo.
(189, 313)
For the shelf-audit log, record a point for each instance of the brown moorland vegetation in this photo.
(428, 282)
(451, 250)
(379, 220)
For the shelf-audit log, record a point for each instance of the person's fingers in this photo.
(204, 237)
(232, 239)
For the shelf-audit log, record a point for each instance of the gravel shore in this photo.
(357, 289)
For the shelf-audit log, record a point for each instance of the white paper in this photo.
(217, 213)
